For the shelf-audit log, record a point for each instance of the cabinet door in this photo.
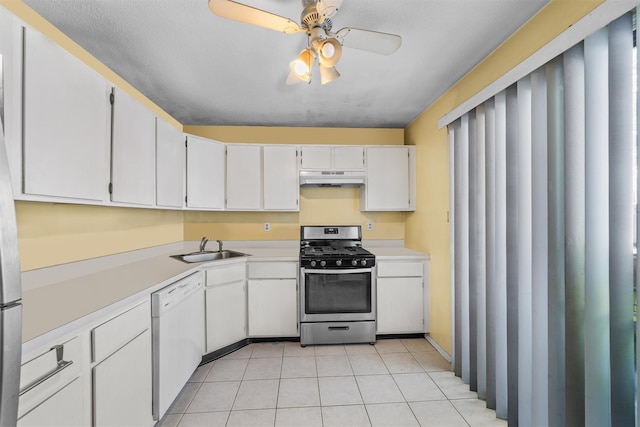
(226, 314)
(348, 158)
(244, 177)
(281, 188)
(387, 186)
(205, 173)
(400, 305)
(66, 123)
(170, 164)
(316, 157)
(133, 150)
(63, 409)
(273, 307)
(122, 385)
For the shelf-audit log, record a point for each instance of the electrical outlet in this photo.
(267, 226)
(370, 226)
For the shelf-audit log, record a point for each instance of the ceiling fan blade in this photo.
(328, 8)
(250, 15)
(371, 41)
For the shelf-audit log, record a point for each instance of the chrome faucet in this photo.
(203, 243)
(219, 245)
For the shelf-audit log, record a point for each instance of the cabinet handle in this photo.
(338, 328)
(61, 364)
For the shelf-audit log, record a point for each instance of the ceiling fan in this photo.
(315, 21)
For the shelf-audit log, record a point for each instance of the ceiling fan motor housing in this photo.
(311, 18)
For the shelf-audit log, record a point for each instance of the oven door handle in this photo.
(343, 271)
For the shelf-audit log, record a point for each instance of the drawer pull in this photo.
(61, 364)
(338, 328)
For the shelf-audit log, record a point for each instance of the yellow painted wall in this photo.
(299, 135)
(51, 233)
(318, 206)
(427, 229)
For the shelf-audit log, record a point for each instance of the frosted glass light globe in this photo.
(328, 50)
(300, 67)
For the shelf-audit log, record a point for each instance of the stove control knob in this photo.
(363, 262)
(339, 263)
(354, 262)
(323, 263)
(313, 263)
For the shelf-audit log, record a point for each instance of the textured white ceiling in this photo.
(205, 70)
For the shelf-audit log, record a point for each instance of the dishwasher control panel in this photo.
(167, 297)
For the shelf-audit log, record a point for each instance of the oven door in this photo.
(337, 295)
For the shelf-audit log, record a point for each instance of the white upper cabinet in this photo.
(390, 182)
(281, 189)
(315, 157)
(348, 157)
(205, 173)
(133, 149)
(66, 123)
(321, 157)
(170, 163)
(244, 177)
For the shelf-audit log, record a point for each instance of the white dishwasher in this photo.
(178, 338)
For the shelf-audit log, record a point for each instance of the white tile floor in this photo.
(397, 382)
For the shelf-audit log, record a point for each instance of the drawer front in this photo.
(47, 373)
(273, 270)
(400, 269)
(63, 408)
(227, 274)
(115, 333)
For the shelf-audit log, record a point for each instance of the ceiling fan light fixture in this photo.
(328, 74)
(301, 66)
(329, 52)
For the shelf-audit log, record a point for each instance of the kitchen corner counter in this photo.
(64, 297)
(58, 299)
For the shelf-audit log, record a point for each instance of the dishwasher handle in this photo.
(167, 298)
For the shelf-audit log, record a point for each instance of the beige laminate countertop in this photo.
(67, 295)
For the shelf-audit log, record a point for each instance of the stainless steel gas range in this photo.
(337, 286)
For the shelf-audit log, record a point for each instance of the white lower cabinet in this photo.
(272, 299)
(401, 296)
(225, 305)
(122, 385)
(121, 352)
(61, 409)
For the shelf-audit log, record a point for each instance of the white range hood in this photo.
(331, 178)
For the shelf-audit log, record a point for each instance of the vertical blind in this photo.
(544, 240)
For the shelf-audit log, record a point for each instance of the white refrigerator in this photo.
(10, 288)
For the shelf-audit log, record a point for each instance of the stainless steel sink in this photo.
(208, 256)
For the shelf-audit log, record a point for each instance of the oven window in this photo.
(337, 293)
